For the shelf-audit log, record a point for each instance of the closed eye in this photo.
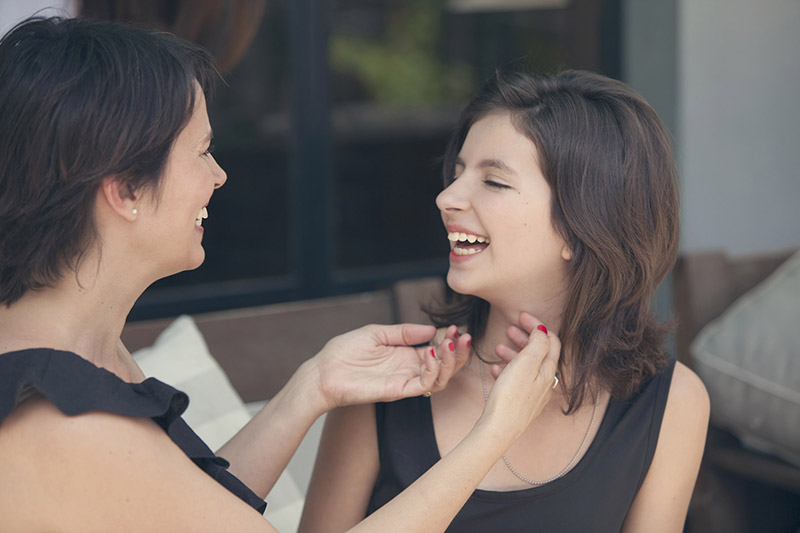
(495, 185)
(209, 150)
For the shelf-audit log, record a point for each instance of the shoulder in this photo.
(663, 498)
(38, 434)
(96, 471)
(52, 458)
(688, 399)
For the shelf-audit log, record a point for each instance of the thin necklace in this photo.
(574, 457)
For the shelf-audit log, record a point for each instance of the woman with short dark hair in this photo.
(560, 203)
(106, 173)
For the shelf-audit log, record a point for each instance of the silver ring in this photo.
(426, 394)
(555, 381)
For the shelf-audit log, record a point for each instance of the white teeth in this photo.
(465, 251)
(456, 236)
(203, 214)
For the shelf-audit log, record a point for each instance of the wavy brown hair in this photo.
(608, 160)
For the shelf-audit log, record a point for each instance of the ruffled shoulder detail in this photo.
(76, 386)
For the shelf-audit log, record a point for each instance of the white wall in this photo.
(739, 124)
(13, 11)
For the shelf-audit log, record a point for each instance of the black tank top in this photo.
(594, 496)
(76, 386)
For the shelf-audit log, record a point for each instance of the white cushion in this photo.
(180, 357)
(749, 359)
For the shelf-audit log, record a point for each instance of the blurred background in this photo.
(334, 114)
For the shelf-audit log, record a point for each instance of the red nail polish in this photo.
(433, 354)
(469, 341)
(451, 346)
(541, 328)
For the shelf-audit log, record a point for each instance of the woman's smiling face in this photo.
(174, 214)
(497, 213)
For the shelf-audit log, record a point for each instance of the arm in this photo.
(373, 363)
(347, 466)
(345, 471)
(663, 499)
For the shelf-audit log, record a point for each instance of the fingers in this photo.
(442, 361)
(528, 321)
(507, 354)
(518, 336)
(404, 334)
(534, 340)
(430, 372)
(550, 362)
(452, 353)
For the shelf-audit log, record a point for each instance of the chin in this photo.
(195, 260)
(460, 285)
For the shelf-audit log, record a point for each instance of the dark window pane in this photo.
(400, 71)
(247, 234)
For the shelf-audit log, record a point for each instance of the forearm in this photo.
(431, 502)
(260, 451)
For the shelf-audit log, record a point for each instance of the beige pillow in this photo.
(749, 359)
(180, 357)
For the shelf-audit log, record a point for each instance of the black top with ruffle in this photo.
(76, 386)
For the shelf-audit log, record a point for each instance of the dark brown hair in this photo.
(607, 158)
(81, 101)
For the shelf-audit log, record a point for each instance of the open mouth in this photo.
(203, 214)
(467, 243)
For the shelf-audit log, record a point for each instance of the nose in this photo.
(220, 176)
(453, 197)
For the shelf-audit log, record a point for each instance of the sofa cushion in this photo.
(180, 357)
(749, 359)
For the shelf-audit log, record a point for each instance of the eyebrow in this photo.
(490, 163)
(208, 137)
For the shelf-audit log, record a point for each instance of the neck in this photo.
(501, 318)
(83, 313)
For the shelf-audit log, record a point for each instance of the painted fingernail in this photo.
(451, 346)
(469, 341)
(541, 328)
(433, 354)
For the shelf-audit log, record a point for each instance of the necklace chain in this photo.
(571, 461)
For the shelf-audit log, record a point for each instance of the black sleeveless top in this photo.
(76, 386)
(594, 496)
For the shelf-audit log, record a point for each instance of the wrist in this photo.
(498, 428)
(309, 385)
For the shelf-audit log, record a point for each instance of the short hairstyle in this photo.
(615, 200)
(80, 101)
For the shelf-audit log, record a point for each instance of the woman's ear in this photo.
(566, 252)
(120, 198)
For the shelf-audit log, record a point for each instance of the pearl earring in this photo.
(134, 211)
